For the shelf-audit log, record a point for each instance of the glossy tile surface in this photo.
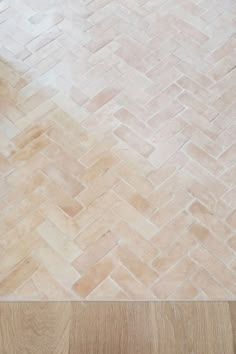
(117, 149)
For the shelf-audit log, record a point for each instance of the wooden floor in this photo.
(118, 328)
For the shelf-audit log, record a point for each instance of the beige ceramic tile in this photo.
(117, 150)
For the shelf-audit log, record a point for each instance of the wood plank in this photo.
(34, 328)
(151, 327)
(117, 328)
(232, 306)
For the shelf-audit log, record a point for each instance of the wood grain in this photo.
(232, 306)
(117, 328)
(34, 328)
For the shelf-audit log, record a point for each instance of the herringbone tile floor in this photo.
(117, 149)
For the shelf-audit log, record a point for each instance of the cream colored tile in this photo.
(117, 150)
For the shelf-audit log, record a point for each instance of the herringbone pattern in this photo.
(117, 149)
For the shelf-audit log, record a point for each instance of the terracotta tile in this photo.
(35, 182)
(11, 216)
(30, 150)
(222, 68)
(58, 135)
(175, 277)
(232, 242)
(125, 53)
(231, 220)
(98, 187)
(131, 286)
(192, 102)
(169, 130)
(46, 285)
(166, 149)
(139, 269)
(167, 190)
(127, 118)
(141, 184)
(209, 219)
(5, 165)
(63, 180)
(129, 137)
(107, 290)
(102, 98)
(194, 88)
(18, 251)
(117, 151)
(157, 103)
(168, 234)
(97, 44)
(62, 221)
(211, 288)
(161, 174)
(104, 164)
(30, 292)
(164, 115)
(165, 214)
(207, 239)
(187, 291)
(229, 177)
(30, 134)
(190, 30)
(26, 226)
(78, 96)
(63, 200)
(163, 67)
(96, 229)
(18, 276)
(129, 194)
(133, 239)
(214, 185)
(104, 146)
(61, 158)
(25, 171)
(226, 99)
(60, 269)
(203, 158)
(228, 157)
(95, 252)
(96, 209)
(199, 121)
(179, 249)
(135, 219)
(79, 138)
(94, 277)
(58, 241)
(218, 269)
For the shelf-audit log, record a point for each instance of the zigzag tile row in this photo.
(117, 150)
